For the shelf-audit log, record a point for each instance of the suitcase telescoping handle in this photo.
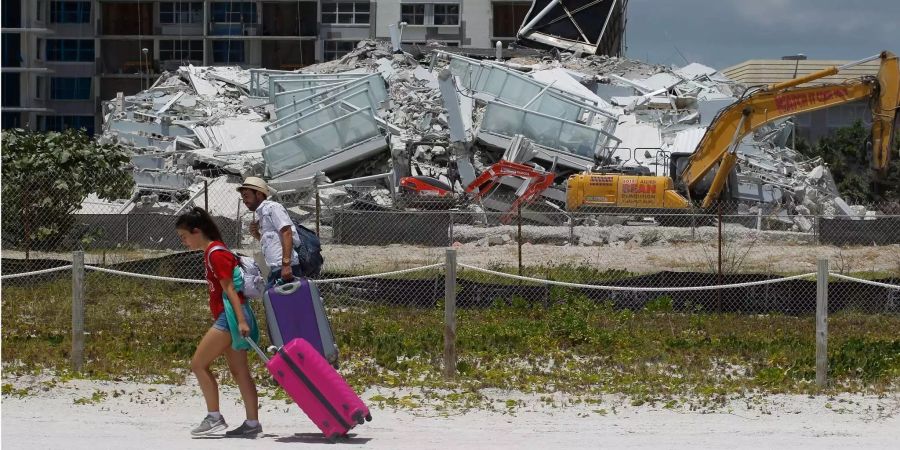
(288, 288)
(259, 351)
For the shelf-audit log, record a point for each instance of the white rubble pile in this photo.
(203, 122)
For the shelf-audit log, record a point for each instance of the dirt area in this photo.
(766, 258)
(99, 414)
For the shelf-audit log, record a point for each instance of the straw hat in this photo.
(256, 184)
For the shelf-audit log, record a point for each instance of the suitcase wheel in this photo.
(333, 437)
(358, 418)
(368, 417)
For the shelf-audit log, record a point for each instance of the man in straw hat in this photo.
(274, 229)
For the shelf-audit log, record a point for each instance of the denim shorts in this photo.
(221, 322)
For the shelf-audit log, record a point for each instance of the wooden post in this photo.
(77, 310)
(822, 323)
(450, 315)
(206, 195)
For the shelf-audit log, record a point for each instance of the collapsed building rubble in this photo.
(376, 116)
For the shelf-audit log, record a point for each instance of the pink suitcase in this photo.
(319, 390)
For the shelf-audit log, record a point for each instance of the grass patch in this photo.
(147, 331)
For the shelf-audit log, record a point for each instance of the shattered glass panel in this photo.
(362, 98)
(374, 83)
(306, 122)
(285, 98)
(578, 139)
(542, 130)
(547, 131)
(502, 119)
(518, 91)
(493, 82)
(317, 143)
(556, 107)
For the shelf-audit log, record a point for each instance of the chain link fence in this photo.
(380, 257)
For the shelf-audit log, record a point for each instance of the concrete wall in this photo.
(473, 30)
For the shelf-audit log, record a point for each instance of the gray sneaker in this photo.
(209, 426)
(245, 431)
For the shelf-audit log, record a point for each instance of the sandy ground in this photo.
(160, 416)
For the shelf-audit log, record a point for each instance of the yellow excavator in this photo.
(718, 147)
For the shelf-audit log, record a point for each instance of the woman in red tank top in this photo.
(198, 232)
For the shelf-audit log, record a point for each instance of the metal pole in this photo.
(822, 323)
(318, 212)
(27, 217)
(452, 220)
(77, 310)
(519, 239)
(719, 291)
(450, 315)
(237, 221)
(206, 195)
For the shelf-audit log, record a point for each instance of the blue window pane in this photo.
(70, 12)
(236, 12)
(70, 88)
(70, 50)
(228, 52)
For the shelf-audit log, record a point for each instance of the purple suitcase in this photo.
(295, 310)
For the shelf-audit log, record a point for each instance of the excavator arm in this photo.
(719, 143)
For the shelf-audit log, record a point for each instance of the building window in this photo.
(228, 52)
(11, 14)
(412, 14)
(508, 17)
(11, 119)
(346, 13)
(180, 12)
(70, 88)
(11, 83)
(39, 10)
(62, 123)
(70, 12)
(181, 50)
(446, 14)
(234, 12)
(336, 49)
(12, 49)
(81, 50)
(38, 87)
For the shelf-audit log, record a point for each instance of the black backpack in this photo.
(309, 252)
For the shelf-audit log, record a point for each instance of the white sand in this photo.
(141, 418)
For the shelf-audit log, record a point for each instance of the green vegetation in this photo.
(847, 154)
(45, 178)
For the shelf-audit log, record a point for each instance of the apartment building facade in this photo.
(61, 58)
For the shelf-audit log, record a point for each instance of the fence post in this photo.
(452, 221)
(822, 323)
(318, 212)
(206, 195)
(450, 314)
(519, 239)
(719, 291)
(77, 310)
